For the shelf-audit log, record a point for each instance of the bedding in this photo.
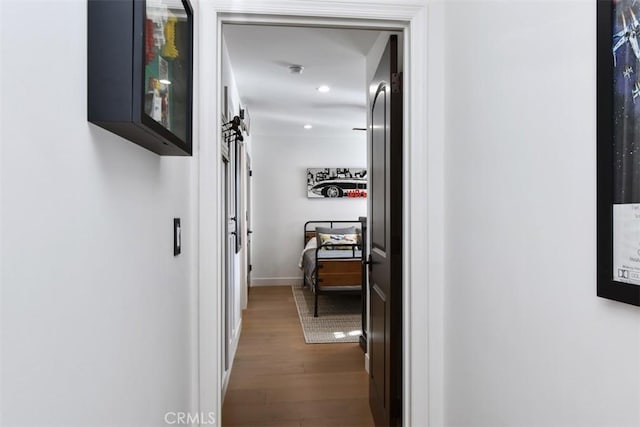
(344, 230)
(328, 230)
(308, 257)
(337, 239)
(331, 260)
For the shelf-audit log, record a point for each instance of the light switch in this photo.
(177, 238)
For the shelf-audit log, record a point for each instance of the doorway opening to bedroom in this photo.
(312, 196)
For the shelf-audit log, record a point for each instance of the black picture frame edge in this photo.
(606, 286)
(140, 15)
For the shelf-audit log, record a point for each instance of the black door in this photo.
(385, 259)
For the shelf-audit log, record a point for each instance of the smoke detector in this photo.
(296, 69)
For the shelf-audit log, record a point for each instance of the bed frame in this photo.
(335, 275)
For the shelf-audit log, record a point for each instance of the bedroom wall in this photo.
(528, 343)
(98, 316)
(280, 203)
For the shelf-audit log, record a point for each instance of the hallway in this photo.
(278, 380)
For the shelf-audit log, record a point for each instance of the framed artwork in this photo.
(336, 182)
(140, 81)
(618, 151)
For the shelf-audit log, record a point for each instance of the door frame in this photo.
(423, 182)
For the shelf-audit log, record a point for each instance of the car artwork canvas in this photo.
(337, 182)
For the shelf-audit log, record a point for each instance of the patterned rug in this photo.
(339, 316)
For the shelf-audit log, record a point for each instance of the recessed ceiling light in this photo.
(308, 126)
(324, 89)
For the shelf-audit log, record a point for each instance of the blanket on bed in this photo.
(312, 244)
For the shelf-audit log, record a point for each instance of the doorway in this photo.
(422, 350)
(311, 92)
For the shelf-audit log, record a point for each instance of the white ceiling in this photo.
(279, 102)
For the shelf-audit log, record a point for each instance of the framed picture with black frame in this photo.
(618, 151)
(140, 81)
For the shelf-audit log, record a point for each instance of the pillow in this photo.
(329, 230)
(335, 239)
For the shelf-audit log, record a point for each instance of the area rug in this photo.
(339, 317)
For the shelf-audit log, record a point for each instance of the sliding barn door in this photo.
(229, 245)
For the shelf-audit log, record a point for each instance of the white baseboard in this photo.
(275, 281)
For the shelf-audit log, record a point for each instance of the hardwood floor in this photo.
(278, 380)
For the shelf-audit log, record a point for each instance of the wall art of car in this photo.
(344, 187)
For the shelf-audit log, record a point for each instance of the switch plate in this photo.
(177, 237)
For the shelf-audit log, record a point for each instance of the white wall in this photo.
(528, 343)
(280, 203)
(98, 315)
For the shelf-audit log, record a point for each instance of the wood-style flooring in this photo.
(279, 380)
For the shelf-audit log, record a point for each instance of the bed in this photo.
(332, 264)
